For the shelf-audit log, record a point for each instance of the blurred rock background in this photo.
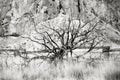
(19, 17)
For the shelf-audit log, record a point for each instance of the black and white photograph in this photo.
(59, 39)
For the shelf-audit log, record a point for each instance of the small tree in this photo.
(58, 42)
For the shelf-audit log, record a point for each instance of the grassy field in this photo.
(42, 70)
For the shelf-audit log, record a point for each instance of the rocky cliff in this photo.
(21, 16)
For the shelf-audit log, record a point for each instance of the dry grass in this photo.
(108, 70)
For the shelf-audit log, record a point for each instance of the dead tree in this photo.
(67, 37)
(56, 41)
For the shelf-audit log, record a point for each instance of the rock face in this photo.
(22, 16)
(113, 19)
